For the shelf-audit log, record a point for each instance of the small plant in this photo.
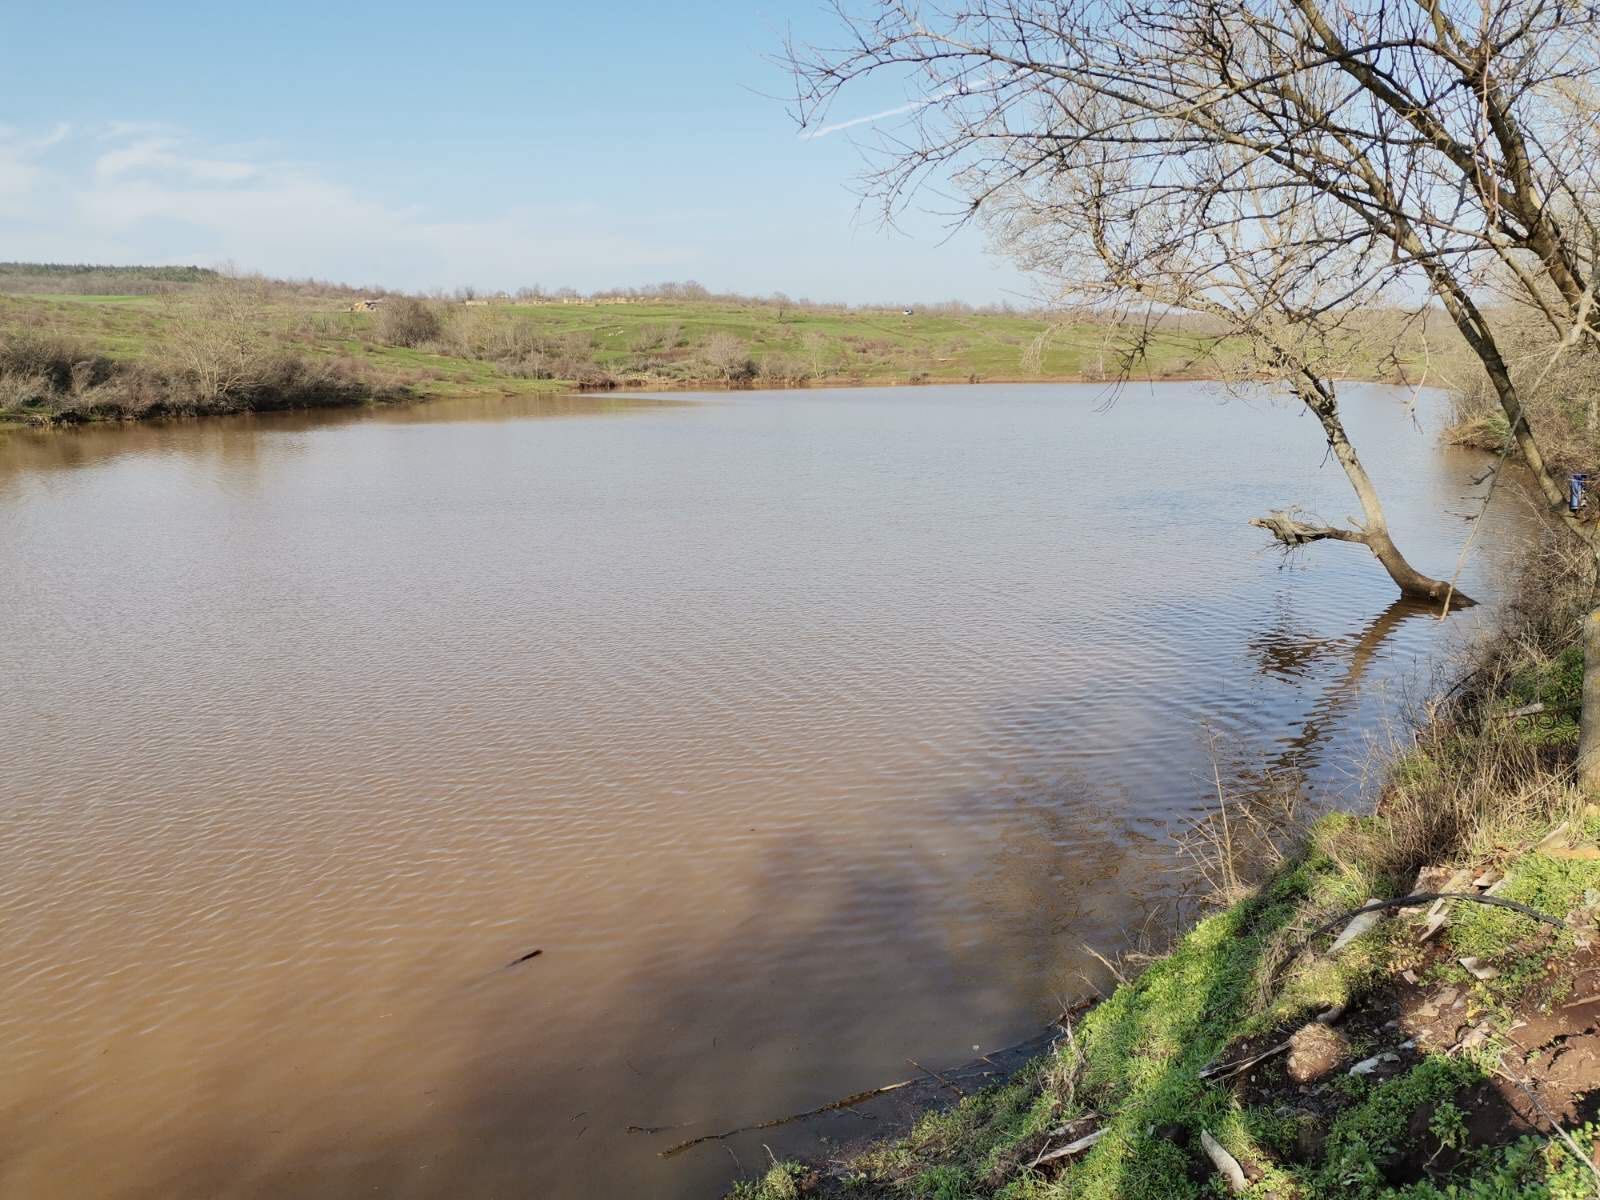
(1449, 1125)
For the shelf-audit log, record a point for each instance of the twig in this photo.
(1106, 962)
(847, 1102)
(1228, 1069)
(937, 1076)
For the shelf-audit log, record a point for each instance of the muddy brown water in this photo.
(803, 733)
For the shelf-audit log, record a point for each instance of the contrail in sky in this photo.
(812, 135)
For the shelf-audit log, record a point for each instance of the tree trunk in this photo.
(1374, 532)
(1589, 717)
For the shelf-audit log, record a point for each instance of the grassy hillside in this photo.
(128, 342)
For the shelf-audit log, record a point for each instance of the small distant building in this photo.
(366, 304)
(906, 312)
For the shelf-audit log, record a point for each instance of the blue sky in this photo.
(484, 143)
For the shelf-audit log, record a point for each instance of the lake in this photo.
(803, 733)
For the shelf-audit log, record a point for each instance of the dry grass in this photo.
(45, 380)
(1559, 387)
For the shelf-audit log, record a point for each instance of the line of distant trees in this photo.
(692, 291)
(96, 278)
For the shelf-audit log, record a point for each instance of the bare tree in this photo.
(1279, 163)
(729, 357)
(817, 349)
(217, 337)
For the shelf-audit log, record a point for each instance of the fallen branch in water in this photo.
(937, 1076)
(847, 1102)
(837, 1105)
(1289, 530)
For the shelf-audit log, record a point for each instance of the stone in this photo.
(1315, 1051)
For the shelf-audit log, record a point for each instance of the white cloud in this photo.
(165, 155)
(21, 175)
(136, 192)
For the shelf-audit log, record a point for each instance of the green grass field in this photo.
(501, 349)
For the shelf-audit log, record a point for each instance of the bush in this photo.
(593, 378)
(729, 358)
(407, 321)
(780, 370)
(65, 364)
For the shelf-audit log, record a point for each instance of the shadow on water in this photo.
(525, 1112)
(522, 1118)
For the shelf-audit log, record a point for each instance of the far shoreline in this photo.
(626, 387)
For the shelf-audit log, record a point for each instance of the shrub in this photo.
(407, 321)
(729, 358)
(64, 363)
(593, 378)
(781, 370)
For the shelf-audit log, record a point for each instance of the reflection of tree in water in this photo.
(1263, 799)
(1279, 652)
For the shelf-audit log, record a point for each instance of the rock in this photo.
(1316, 1051)
(1368, 1065)
(1310, 1140)
(1555, 838)
(1227, 1165)
(1358, 926)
